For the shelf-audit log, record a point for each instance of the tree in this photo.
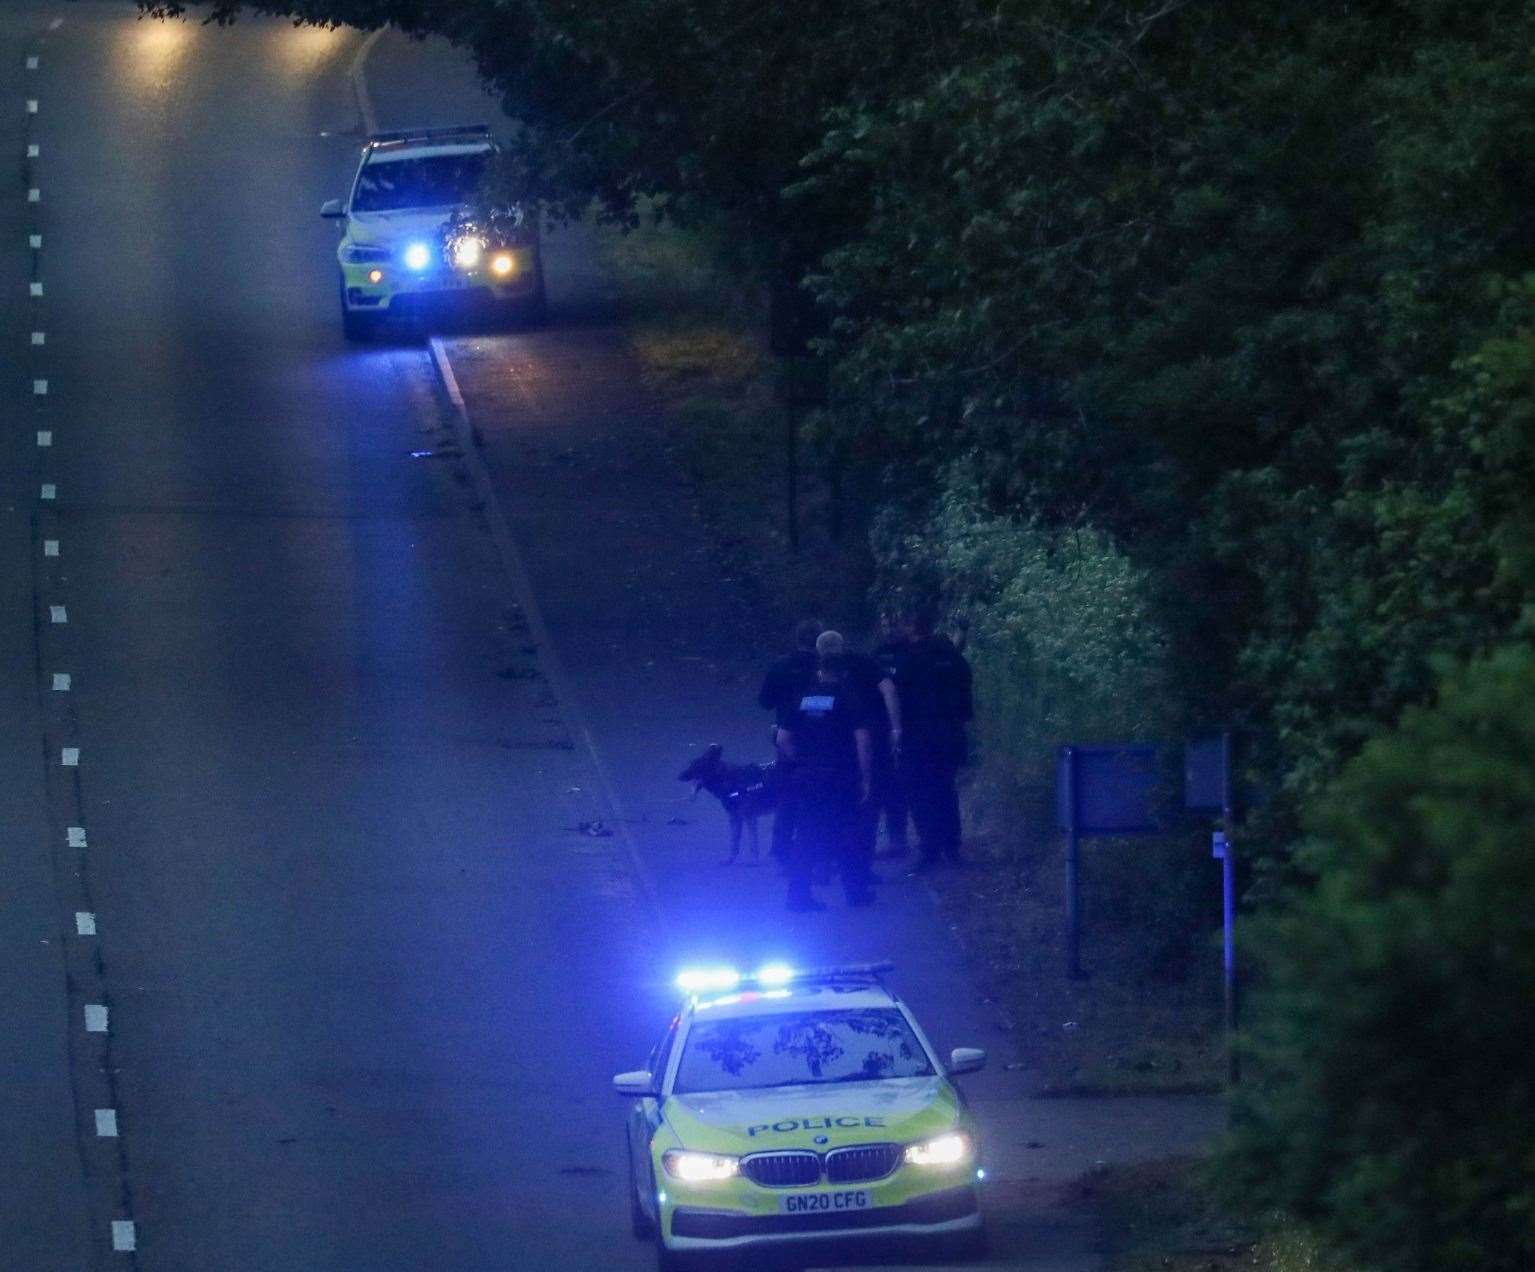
(1392, 1087)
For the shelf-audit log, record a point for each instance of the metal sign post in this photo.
(1208, 785)
(1100, 790)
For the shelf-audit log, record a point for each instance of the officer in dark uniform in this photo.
(877, 688)
(889, 789)
(827, 749)
(934, 683)
(779, 694)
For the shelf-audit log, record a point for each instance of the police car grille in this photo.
(864, 1161)
(782, 1170)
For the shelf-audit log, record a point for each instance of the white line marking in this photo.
(39, 388)
(31, 105)
(106, 1123)
(32, 62)
(95, 1018)
(39, 337)
(34, 151)
(76, 836)
(35, 289)
(34, 195)
(35, 242)
(69, 756)
(50, 547)
(61, 682)
(123, 1237)
(45, 437)
(85, 923)
(56, 24)
(58, 614)
(49, 491)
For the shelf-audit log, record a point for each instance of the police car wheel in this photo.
(640, 1222)
(354, 326)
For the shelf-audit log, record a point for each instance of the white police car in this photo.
(793, 1106)
(410, 243)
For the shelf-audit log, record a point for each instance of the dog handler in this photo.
(828, 750)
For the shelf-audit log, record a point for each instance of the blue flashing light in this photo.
(418, 256)
(706, 979)
(979, 1173)
(775, 974)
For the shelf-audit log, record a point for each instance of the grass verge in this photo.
(1162, 1217)
(696, 325)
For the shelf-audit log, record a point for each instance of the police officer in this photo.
(889, 789)
(875, 684)
(934, 683)
(826, 745)
(781, 686)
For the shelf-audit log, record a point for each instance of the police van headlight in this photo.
(699, 1168)
(953, 1149)
(468, 251)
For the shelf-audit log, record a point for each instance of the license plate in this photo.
(825, 1203)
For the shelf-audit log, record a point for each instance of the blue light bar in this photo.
(703, 980)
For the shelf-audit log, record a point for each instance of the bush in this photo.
(1395, 1088)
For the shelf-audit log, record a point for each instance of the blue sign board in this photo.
(1108, 790)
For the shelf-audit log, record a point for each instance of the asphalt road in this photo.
(297, 822)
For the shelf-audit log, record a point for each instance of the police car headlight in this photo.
(952, 1149)
(418, 256)
(503, 263)
(467, 252)
(699, 1168)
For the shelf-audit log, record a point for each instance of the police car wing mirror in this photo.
(332, 208)
(637, 1084)
(966, 1060)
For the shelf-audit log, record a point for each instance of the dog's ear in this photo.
(715, 751)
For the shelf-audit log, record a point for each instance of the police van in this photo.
(794, 1106)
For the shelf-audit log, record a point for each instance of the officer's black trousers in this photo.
(931, 793)
(824, 813)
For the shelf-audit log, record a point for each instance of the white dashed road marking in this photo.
(35, 289)
(31, 105)
(85, 923)
(69, 756)
(34, 195)
(45, 437)
(58, 614)
(39, 338)
(39, 388)
(50, 547)
(56, 24)
(34, 151)
(95, 1018)
(35, 242)
(48, 491)
(61, 682)
(123, 1235)
(76, 836)
(106, 1123)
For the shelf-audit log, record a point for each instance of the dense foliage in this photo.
(1394, 1088)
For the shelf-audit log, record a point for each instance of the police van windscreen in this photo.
(431, 181)
(800, 1048)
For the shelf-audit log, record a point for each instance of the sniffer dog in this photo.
(745, 792)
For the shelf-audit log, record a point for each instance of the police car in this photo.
(410, 242)
(790, 1106)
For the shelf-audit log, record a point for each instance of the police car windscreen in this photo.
(431, 181)
(794, 1048)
